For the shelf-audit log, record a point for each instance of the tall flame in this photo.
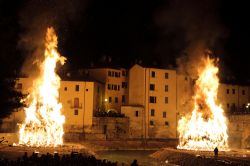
(206, 128)
(43, 125)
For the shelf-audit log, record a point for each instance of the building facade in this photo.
(233, 98)
(116, 86)
(152, 103)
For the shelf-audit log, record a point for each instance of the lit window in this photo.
(152, 112)
(152, 87)
(136, 113)
(77, 88)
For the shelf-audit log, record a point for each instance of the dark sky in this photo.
(155, 32)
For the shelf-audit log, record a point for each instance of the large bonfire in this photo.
(206, 127)
(43, 125)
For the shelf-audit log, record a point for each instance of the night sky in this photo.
(121, 33)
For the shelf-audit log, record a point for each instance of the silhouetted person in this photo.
(216, 151)
(134, 163)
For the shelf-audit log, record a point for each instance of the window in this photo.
(166, 75)
(153, 74)
(124, 85)
(227, 91)
(19, 86)
(186, 78)
(109, 86)
(119, 74)
(110, 99)
(77, 88)
(152, 99)
(115, 87)
(113, 73)
(243, 92)
(164, 114)
(166, 99)
(75, 112)
(151, 123)
(65, 88)
(123, 99)
(136, 113)
(152, 87)
(116, 99)
(112, 87)
(76, 102)
(109, 73)
(166, 88)
(227, 105)
(123, 73)
(166, 123)
(116, 74)
(118, 87)
(87, 90)
(233, 91)
(152, 112)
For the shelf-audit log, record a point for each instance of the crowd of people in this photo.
(56, 160)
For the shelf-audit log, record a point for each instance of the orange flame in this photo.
(43, 125)
(206, 128)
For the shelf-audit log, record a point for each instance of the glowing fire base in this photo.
(206, 128)
(43, 125)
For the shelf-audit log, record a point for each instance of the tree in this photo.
(9, 95)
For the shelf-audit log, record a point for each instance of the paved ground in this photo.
(185, 157)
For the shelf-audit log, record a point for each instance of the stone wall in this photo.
(112, 127)
(239, 131)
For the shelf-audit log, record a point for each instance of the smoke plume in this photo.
(35, 17)
(196, 28)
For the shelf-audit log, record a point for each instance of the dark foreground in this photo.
(55, 160)
(202, 158)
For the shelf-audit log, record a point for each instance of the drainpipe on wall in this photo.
(84, 109)
(145, 98)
